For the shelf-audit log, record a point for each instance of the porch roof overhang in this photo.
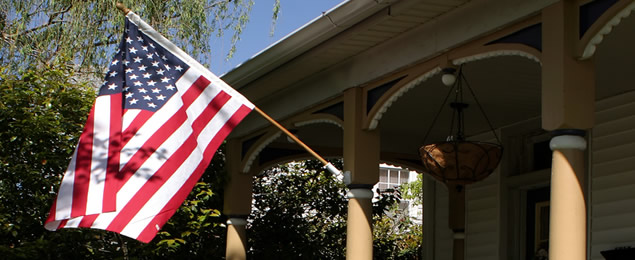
(369, 43)
(357, 42)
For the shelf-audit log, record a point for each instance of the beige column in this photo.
(568, 102)
(236, 239)
(237, 206)
(361, 162)
(359, 232)
(567, 220)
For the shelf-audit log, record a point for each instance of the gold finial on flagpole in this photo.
(123, 8)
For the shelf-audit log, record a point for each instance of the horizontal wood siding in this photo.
(482, 219)
(613, 175)
(442, 233)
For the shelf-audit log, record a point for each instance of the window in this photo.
(391, 178)
(527, 152)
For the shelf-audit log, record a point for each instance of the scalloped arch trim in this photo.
(261, 146)
(259, 149)
(497, 53)
(485, 55)
(384, 107)
(318, 121)
(591, 46)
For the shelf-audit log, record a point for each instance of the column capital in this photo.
(568, 142)
(237, 220)
(360, 193)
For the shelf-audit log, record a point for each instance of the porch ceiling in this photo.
(386, 24)
(288, 66)
(507, 87)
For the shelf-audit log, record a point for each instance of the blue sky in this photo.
(256, 36)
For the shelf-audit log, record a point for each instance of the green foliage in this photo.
(40, 117)
(42, 113)
(299, 212)
(413, 190)
(41, 31)
(397, 239)
(274, 17)
(395, 235)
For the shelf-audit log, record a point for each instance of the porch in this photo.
(363, 83)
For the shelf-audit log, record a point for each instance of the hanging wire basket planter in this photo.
(457, 160)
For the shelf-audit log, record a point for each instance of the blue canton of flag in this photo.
(143, 71)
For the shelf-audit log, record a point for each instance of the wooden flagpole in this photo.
(292, 136)
(328, 165)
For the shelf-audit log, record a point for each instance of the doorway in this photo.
(537, 224)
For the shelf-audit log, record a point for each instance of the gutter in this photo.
(317, 31)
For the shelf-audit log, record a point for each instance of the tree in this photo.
(41, 114)
(300, 210)
(413, 191)
(395, 234)
(45, 31)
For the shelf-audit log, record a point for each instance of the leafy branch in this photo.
(42, 31)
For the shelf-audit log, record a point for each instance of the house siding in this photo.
(482, 219)
(613, 175)
(442, 233)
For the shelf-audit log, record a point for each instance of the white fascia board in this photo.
(306, 37)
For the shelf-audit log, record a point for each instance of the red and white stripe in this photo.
(84, 181)
(132, 169)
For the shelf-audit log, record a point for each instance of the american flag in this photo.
(158, 119)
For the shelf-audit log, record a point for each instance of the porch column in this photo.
(359, 232)
(361, 160)
(567, 220)
(568, 102)
(236, 238)
(237, 206)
